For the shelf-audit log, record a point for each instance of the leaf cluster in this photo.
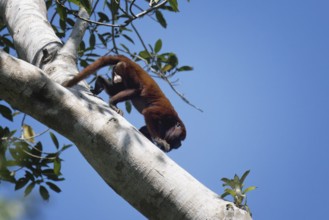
(235, 189)
(166, 64)
(119, 31)
(24, 163)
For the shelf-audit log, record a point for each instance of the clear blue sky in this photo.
(261, 75)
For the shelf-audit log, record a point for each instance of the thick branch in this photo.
(29, 27)
(72, 44)
(126, 160)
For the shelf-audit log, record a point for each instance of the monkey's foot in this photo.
(119, 111)
(163, 144)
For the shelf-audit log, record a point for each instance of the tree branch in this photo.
(156, 186)
(72, 44)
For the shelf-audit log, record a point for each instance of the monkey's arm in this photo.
(124, 95)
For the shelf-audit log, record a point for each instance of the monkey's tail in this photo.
(99, 63)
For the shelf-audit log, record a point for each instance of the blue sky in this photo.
(261, 77)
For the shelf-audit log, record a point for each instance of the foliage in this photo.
(23, 161)
(113, 31)
(236, 190)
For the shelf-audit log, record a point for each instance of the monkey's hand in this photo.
(96, 91)
(119, 111)
(163, 144)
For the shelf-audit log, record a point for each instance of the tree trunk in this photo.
(130, 164)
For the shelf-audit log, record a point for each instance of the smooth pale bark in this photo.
(136, 169)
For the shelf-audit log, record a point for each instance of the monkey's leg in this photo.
(146, 132)
(110, 88)
(99, 85)
(153, 117)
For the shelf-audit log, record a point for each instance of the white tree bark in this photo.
(130, 164)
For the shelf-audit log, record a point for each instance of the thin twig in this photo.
(165, 78)
(140, 38)
(126, 23)
(130, 8)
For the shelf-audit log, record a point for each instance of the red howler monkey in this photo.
(131, 82)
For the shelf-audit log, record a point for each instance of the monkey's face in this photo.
(116, 72)
(116, 78)
(176, 135)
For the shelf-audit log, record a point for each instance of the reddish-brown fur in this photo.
(163, 125)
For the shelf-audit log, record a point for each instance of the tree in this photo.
(129, 163)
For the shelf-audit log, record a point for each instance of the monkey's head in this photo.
(175, 135)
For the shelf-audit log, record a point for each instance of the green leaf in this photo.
(174, 5)
(161, 19)
(36, 151)
(113, 6)
(21, 183)
(29, 176)
(224, 195)
(144, 54)
(11, 163)
(29, 189)
(49, 173)
(128, 106)
(61, 12)
(173, 60)
(57, 166)
(158, 46)
(244, 176)
(126, 48)
(83, 3)
(54, 187)
(92, 40)
(236, 180)
(166, 68)
(7, 175)
(227, 182)
(44, 193)
(102, 39)
(231, 192)
(48, 4)
(128, 38)
(28, 133)
(250, 188)
(185, 68)
(103, 17)
(65, 147)
(54, 139)
(6, 112)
